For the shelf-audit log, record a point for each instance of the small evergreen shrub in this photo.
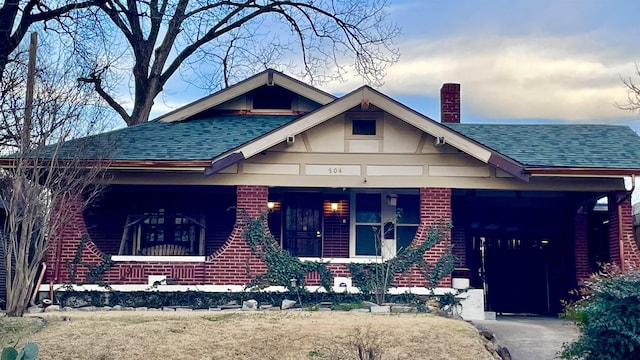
(608, 316)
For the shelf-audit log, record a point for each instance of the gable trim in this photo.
(223, 163)
(267, 77)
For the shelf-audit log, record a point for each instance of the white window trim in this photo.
(141, 258)
(384, 215)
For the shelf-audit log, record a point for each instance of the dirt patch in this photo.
(260, 335)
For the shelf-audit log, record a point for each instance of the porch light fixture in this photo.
(392, 199)
(334, 206)
(271, 205)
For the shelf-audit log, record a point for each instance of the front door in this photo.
(303, 224)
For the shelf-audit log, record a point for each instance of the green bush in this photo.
(29, 352)
(194, 299)
(608, 316)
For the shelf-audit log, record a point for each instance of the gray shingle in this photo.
(542, 145)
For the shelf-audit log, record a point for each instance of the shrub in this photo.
(608, 316)
(29, 352)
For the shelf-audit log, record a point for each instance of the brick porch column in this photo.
(435, 209)
(581, 246)
(622, 246)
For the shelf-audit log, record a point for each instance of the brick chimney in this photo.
(450, 103)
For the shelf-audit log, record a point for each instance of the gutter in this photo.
(619, 172)
(32, 302)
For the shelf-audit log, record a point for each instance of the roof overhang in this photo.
(577, 171)
(385, 103)
(171, 165)
(267, 77)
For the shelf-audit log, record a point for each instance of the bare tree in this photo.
(18, 16)
(633, 93)
(162, 35)
(41, 172)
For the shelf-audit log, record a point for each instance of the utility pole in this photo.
(28, 107)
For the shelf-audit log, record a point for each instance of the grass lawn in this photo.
(245, 335)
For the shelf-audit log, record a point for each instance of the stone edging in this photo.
(491, 343)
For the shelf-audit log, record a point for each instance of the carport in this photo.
(521, 246)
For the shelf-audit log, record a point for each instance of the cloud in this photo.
(507, 77)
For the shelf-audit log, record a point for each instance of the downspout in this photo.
(619, 205)
(56, 270)
(37, 288)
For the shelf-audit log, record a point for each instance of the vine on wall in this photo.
(96, 272)
(281, 266)
(376, 278)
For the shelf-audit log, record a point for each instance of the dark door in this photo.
(516, 274)
(303, 224)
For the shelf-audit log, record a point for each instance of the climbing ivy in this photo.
(376, 278)
(96, 272)
(281, 266)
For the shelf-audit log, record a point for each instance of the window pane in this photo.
(366, 236)
(405, 236)
(364, 127)
(408, 210)
(368, 208)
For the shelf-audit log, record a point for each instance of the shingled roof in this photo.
(192, 140)
(532, 145)
(567, 145)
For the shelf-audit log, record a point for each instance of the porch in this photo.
(524, 249)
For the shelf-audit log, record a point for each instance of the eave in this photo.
(581, 171)
(172, 165)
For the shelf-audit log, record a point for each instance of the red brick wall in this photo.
(336, 229)
(581, 246)
(622, 246)
(234, 263)
(64, 241)
(435, 210)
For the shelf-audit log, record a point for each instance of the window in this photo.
(368, 224)
(180, 234)
(407, 220)
(384, 223)
(363, 127)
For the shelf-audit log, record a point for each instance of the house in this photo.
(331, 171)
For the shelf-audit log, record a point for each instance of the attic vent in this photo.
(271, 97)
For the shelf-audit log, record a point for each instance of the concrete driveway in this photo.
(531, 338)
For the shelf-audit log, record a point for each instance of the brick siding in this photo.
(234, 263)
(581, 246)
(622, 246)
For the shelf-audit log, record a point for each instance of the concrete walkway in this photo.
(531, 338)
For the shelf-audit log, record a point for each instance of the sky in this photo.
(516, 61)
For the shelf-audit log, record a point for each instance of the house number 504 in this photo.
(335, 170)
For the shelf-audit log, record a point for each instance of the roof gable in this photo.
(268, 77)
(364, 97)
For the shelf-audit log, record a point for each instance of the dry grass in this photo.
(256, 335)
